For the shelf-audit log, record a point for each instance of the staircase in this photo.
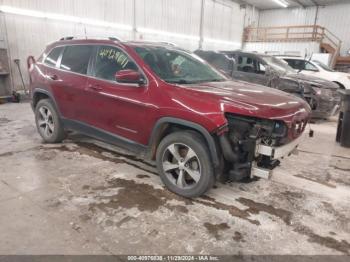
(329, 43)
(327, 48)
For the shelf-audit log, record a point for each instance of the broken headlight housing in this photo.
(270, 132)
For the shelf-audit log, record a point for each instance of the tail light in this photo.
(30, 62)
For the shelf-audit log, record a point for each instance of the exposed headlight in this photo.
(280, 129)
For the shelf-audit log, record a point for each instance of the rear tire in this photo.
(48, 123)
(184, 164)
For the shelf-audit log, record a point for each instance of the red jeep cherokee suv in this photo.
(157, 98)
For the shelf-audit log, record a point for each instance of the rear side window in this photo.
(53, 56)
(110, 60)
(76, 58)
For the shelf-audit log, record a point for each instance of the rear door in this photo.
(118, 108)
(68, 82)
(249, 68)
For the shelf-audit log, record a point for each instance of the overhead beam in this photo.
(315, 2)
(241, 2)
(299, 3)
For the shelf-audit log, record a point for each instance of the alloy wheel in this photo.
(181, 165)
(45, 121)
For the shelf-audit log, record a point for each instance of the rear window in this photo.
(53, 56)
(76, 58)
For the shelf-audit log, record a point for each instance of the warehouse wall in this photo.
(280, 48)
(334, 17)
(176, 21)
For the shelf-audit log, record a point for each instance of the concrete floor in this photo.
(85, 197)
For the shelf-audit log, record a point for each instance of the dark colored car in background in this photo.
(270, 71)
(168, 104)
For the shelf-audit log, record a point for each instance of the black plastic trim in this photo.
(43, 91)
(103, 135)
(207, 136)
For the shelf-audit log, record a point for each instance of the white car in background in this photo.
(318, 69)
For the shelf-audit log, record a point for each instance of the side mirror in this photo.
(129, 76)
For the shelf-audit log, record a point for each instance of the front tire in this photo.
(48, 122)
(184, 164)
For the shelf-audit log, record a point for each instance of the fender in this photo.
(171, 120)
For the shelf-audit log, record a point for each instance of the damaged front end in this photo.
(324, 102)
(252, 147)
(322, 96)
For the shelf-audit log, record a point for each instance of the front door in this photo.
(118, 108)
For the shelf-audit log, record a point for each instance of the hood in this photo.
(311, 80)
(248, 99)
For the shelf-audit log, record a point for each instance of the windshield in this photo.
(177, 66)
(323, 66)
(278, 64)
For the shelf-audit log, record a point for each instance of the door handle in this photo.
(53, 77)
(95, 87)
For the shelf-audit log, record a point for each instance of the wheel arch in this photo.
(166, 125)
(341, 86)
(39, 94)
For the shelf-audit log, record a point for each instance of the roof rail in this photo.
(112, 38)
(168, 43)
(153, 42)
(67, 38)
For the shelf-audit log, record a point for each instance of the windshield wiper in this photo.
(180, 81)
(215, 80)
(183, 81)
(210, 80)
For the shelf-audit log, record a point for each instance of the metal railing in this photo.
(302, 33)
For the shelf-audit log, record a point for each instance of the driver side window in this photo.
(110, 60)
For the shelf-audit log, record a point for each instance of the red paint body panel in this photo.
(132, 111)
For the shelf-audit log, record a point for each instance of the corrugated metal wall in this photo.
(284, 17)
(335, 18)
(223, 20)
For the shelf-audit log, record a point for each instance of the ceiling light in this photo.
(166, 33)
(93, 22)
(60, 17)
(282, 3)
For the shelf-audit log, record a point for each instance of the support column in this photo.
(134, 28)
(201, 25)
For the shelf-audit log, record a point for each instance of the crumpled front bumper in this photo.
(327, 106)
(326, 109)
(274, 153)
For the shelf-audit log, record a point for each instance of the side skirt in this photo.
(104, 136)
